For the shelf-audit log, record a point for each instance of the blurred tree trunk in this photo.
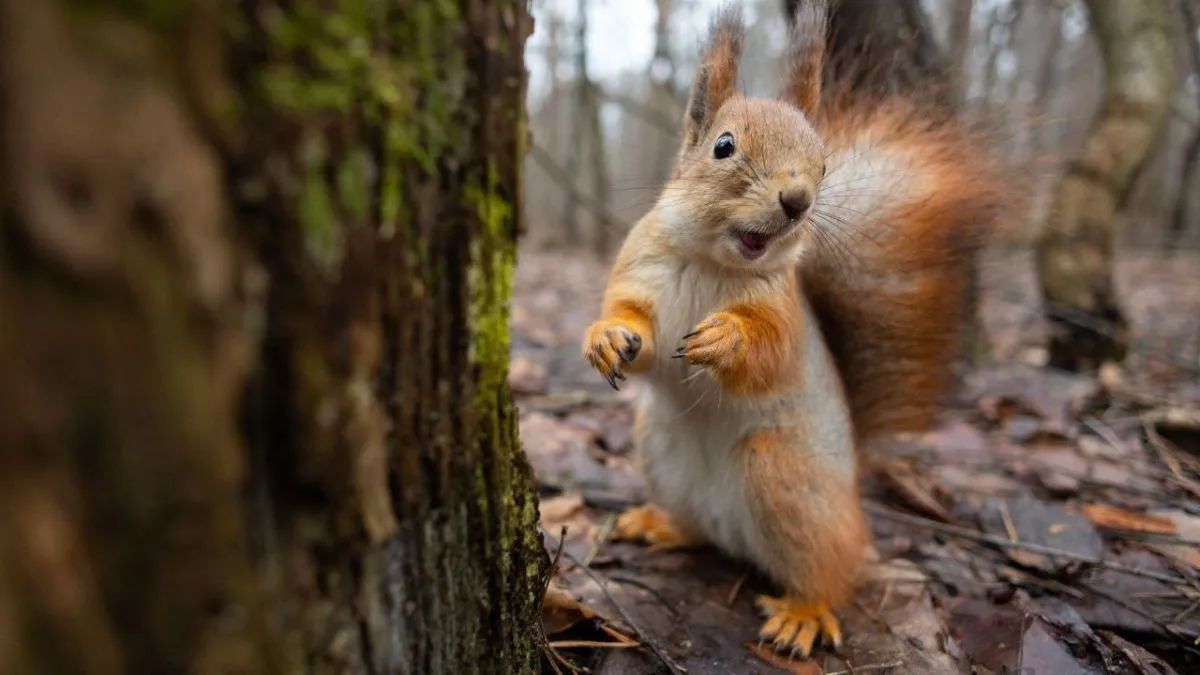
(254, 264)
(1191, 156)
(893, 38)
(572, 233)
(664, 94)
(593, 136)
(1075, 261)
(959, 46)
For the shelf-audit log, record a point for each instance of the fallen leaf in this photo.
(1188, 527)
(1144, 660)
(1033, 521)
(561, 610)
(1114, 518)
(909, 481)
(1040, 652)
(556, 509)
(526, 376)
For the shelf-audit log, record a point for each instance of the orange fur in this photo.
(806, 58)
(716, 75)
(894, 314)
(749, 347)
(653, 525)
(810, 512)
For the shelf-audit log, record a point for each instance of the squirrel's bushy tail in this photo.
(910, 192)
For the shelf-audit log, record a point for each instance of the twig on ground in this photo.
(596, 644)
(1009, 528)
(1174, 632)
(737, 588)
(618, 635)
(555, 658)
(1105, 432)
(863, 669)
(1001, 542)
(649, 589)
(638, 632)
(601, 535)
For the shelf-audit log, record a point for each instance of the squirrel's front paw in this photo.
(715, 342)
(608, 345)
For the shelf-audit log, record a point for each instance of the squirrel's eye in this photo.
(724, 146)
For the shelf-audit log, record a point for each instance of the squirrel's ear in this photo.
(806, 54)
(716, 75)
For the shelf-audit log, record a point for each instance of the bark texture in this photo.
(254, 266)
(1075, 260)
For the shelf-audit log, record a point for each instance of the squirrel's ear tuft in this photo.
(806, 54)
(716, 75)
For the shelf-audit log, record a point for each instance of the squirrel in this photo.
(797, 291)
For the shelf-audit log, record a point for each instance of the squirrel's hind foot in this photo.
(793, 624)
(652, 524)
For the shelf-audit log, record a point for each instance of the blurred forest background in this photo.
(1051, 522)
(608, 81)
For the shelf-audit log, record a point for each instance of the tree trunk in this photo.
(1075, 254)
(960, 47)
(254, 266)
(1191, 156)
(884, 47)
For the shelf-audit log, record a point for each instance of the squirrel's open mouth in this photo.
(752, 244)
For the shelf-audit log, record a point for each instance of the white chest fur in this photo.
(689, 427)
(690, 430)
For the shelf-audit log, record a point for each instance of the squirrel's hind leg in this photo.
(804, 501)
(651, 523)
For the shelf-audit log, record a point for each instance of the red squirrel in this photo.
(797, 290)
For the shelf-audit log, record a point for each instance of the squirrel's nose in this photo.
(795, 201)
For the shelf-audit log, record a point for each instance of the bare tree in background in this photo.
(1191, 158)
(959, 43)
(570, 219)
(254, 264)
(587, 137)
(664, 95)
(1075, 255)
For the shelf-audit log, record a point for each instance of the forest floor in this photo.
(1050, 524)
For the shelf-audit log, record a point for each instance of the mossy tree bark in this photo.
(1074, 257)
(254, 266)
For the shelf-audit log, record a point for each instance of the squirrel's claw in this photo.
(632, 347)
(607, 346)
(715, 342)
(795, 624)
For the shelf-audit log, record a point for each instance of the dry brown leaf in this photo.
(766, 653)
(1188, 527)
(913, 484)
(556, 509)
(526, 376)
(1144, 660)
(1114, 518)
(561, 610)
